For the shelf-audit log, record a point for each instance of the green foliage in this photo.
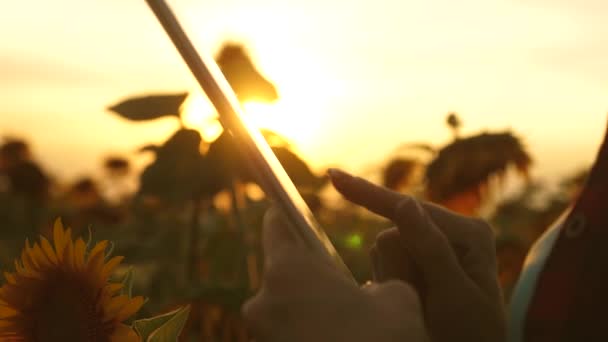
(162, 328)
(150, 107)
(297, 169)
(398, 172)
(179, 172)
(228, 297)
(528, 214)
(227, 161)
(225, 155)
(466, 164)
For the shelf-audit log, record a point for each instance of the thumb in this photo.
(400, 309)
(277, 236)
(394, 294)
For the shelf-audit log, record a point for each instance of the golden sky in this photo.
(357, 78)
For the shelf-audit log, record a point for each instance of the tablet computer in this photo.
(270, 174)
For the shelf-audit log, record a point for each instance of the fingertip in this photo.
(339, 178)
(387, 236)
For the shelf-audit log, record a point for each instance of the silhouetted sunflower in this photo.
(61, 292)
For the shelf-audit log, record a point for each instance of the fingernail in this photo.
(338, 175)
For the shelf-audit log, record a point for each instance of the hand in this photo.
(305, 298)
(450, 260)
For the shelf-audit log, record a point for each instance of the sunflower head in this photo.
(60, 291)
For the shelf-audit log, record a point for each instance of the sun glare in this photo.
(200, 114)
(285, 118)
(293, 120)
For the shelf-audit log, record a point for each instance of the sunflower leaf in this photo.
(150, 107)
(170, 331)
(162, 328)
(145, 327)
(90, 238)
(127, 282)
(109, 252)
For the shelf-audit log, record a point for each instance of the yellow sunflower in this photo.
(61, 292)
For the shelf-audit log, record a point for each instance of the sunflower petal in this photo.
(96, 264)
(30, 255)
(23, 271)
(99, 248)
(7, 312)
(48, 250)
(27, 261)
(6, 326)
(10, 278)
(109, 267)
(68, 255)
(130, 308)
(112, 288)
(59, 237)
(40, 257)
(67, 244)
(13, 296)
(114, 306)
(79, 250)
(11, 337)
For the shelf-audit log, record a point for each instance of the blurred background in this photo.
(490, 108)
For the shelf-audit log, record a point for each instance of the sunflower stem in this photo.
(193, 249)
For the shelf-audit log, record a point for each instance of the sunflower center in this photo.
(66, 311)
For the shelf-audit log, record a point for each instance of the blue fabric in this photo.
(526, 285)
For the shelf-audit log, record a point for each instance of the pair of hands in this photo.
(434, 279)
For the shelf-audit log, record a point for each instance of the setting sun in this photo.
(199, 114)
(297, 121)
(290, 120)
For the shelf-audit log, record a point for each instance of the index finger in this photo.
(385, 202)
(428, 245)
(422, 226)
(378, 200)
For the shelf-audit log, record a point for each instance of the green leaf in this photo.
(127, 282)
(150, 107)
(162, 328)
(298, 170)
(180, 172)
